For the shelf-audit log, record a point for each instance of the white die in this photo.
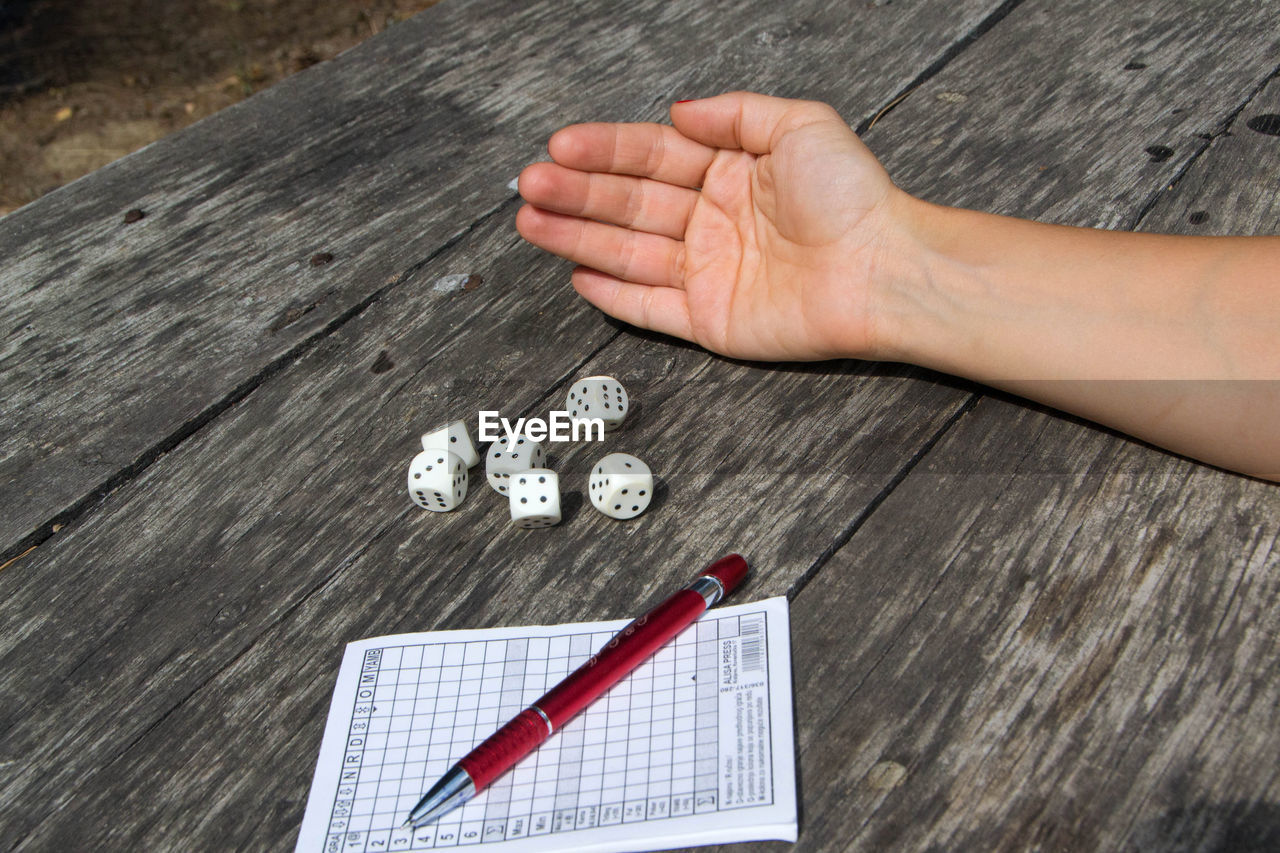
(535, 498)
(600, 397)
(500, 463)
(620, 486)
(454, 437)
(437, 480)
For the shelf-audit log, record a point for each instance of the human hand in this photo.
(756, 227)
(762, 228)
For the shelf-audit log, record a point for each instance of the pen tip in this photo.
(407, 822)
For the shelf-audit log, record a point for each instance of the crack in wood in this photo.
(175, 439)
(960, 46)
(1223, 129)
(297, 311)
(845, 535)
(67, 795)
(316, 589)
(291, 315)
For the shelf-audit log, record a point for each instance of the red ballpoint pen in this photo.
(631, 647)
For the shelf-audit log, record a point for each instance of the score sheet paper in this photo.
(694, 747)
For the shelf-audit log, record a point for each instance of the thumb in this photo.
(746, 120)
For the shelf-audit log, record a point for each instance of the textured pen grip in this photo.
(502, 749)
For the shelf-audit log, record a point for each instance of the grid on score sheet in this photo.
(419, 708)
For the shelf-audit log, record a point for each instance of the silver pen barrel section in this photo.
(453, 789)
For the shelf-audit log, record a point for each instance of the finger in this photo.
(637, 203)
(662, 309)
(647, 150)
(746, 120)
(630, 255)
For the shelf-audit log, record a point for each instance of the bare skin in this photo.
(762, 228)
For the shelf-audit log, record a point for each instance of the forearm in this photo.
(1171, 339)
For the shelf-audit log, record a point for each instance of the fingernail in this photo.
(685, 101)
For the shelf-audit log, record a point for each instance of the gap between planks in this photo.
(327, 579)
(896, 480)
(1223, 129)
(961, 45)
(45, 530)
(201, 420)
(175, 439)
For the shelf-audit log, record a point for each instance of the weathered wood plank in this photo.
(468, 570)
(1059, 644)
(221, 556)
(1234, 186)
(258, 491)
(148, 330)
(1006, 124)
(208, 705)
(1065, 638)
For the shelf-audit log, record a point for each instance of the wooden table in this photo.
(1011, 629)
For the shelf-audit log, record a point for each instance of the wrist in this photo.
(1002, 300)
(911, 303)
(997, 299)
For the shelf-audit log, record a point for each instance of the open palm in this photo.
(752, 227)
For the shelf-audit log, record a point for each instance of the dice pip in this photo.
(437, 480)
(620, 486)
(600, 397)
(535, 498)
(454, 437)
(500, 463)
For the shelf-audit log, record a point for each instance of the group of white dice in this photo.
(620, 485)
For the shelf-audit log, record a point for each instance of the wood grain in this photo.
(1065, 637)
(245, 729)
(1233, 186)
(1062, 644)
(1061, 134)
(225, 558)
(171, 653)
(122, 340)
